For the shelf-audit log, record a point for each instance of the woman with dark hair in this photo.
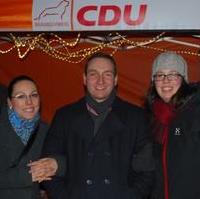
(174, 108)
(22, 134)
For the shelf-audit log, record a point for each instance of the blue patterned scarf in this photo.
(24, 128)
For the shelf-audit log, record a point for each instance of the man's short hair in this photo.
(101, 55)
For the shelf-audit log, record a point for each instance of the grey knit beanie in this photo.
(170, 60)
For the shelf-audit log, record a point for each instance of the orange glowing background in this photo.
(16, 14)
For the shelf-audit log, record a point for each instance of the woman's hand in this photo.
(43, 169)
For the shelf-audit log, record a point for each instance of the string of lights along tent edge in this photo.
(63, 49)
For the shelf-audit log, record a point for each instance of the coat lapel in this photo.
(11, 140)
(111, 126)
(83, 125)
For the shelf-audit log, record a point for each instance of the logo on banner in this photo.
(50, 13)
(88, 15)
(111, 15)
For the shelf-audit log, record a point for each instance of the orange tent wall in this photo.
(61, 82)
(16, 14)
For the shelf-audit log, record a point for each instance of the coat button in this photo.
(89, 182)
(106, 153)
(90, 154)
(107, 181)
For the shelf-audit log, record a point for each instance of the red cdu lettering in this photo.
(81, 15)
(139, 20)
(110, 15)
(103, 21)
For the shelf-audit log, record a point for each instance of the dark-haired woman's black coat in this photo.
(15, 180)
(183, 154)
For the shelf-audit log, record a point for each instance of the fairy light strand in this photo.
(62, 49)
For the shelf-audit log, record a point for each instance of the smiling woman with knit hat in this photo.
(174, 108)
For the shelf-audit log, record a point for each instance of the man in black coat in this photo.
(100, 145)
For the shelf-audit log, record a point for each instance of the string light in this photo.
(58, 48)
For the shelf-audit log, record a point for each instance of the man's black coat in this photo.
(116, 163)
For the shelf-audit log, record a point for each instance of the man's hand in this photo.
(43, 169)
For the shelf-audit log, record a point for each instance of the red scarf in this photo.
(164, 113)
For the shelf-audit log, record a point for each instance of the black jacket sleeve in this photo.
(54, 146)
(143, 164)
